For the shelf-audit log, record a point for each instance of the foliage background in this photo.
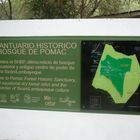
(56, 9)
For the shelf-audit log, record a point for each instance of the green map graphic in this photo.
(115, 70)
(118, 74)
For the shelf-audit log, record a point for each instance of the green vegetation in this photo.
(50, 9)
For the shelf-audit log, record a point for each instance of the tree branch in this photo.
(4, 8)
(97, 3)
(61, 7)
(82, 7)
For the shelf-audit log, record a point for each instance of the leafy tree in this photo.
(20, 10)
(71, 8)
(130, 5)
(48, 9)
(6, 9)
(108, 7)
(79, 8)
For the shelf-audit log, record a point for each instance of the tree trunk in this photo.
(10, 9)
(82, 9)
